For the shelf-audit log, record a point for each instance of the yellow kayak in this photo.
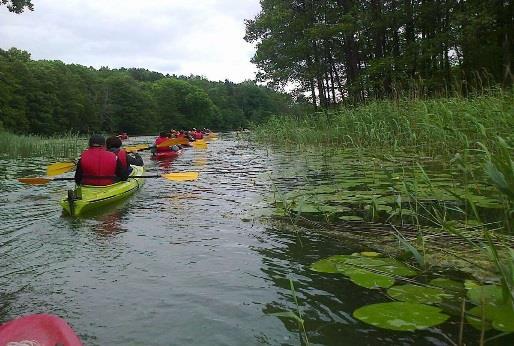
(87, 197)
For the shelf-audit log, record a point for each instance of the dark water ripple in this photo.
(181, 263)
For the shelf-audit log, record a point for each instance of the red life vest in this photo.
(122, 156)
(160, 140)
(198, 135)
(98, 162)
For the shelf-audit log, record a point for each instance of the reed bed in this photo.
(14, 146)
(426, 126)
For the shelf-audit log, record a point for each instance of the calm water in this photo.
(180, 263)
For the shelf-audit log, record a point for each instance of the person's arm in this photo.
(78, 173)
(121, 172)
(135, 159)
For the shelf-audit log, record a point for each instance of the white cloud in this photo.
(201, 37)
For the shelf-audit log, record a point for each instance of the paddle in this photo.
(166, 143)
(59, 168)
(178, 176)
(199, 144)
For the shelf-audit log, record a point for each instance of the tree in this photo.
(18, 6)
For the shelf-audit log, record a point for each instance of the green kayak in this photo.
(87, 197)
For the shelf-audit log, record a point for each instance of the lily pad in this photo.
(395, 267)
(351, 218)
(487, 295)
(370, 254)
(400, 316)
(349, 264)
(417, 294)
(368, 279)
(451, 285)
(499, 317)
(328, 265)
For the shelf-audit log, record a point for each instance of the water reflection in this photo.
(110, 225)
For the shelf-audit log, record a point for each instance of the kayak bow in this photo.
(38, 329)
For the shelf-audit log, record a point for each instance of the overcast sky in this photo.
(201, 37)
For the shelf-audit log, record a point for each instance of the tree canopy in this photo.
(49, 97)
(18, 6)
(348, 50)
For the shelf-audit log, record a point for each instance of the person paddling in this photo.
(114, 145)
(97, 166)
(197, 134)
(163, 137)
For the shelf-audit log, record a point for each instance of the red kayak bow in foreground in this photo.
(38, 330)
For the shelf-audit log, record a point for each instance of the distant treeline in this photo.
(50, 97)
(348, 51)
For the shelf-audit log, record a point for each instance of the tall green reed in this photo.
(427, 126)
(67, 145)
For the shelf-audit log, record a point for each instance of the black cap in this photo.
(97, 141)
(113, 142)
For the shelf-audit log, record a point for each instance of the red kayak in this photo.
(166, 155)
(40, 330)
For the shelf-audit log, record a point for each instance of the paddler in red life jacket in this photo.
(197, 134)
(114, 146)
(163, 137)
(97, 166)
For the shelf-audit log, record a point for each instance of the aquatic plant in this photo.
(66, 145)
(425, 126)
(296, 316)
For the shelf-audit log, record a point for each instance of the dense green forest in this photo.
(348, 51)
(49, 97)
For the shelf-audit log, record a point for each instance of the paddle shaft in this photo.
(106, 177)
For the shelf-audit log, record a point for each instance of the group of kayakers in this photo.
(104, 162)
(191, 135)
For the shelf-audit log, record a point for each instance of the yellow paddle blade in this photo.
(59, 168)
(181, 176)
(134, 148)
(199, 144)
(200, 162)
(34, 181)
(173, 141)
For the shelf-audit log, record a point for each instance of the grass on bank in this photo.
(67, 145)
(427, 126)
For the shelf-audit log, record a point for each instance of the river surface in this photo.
(181, 263)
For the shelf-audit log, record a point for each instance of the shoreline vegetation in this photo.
(68, 145)
(429, 127)
(49, 97)
(430, 182)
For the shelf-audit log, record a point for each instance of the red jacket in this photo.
(160, 140)
(198, 135)
(97, 162)
(122, 157)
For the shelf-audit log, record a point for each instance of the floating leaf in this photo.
(502, 317)
(328, 265)
(397, 268)
(469, 284)
(488, 294)
(349, 264)
(351, 218)
(368, 279)
(451, 285)
(370, 254)
(400, 316)
(417, 294)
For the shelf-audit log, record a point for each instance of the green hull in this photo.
(89, 198)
